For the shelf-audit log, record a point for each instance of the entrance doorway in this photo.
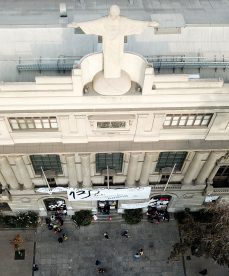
(157, 208)
(105, 207)
(55, 204)
(4, 207)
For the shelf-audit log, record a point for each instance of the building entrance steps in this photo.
(112, 216)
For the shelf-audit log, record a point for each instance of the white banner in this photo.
(108, 194)
(50, 191)
(135, 205)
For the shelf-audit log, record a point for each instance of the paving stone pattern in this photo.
(78, 254)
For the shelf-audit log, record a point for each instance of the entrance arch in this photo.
(54, 204)
(160, 202)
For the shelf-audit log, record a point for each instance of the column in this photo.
(8, 174)
(2, 181)
(208, 167)
(149, 166)
(215, 169)
(193, 169)
(86, 170)
(132, 169)
(26, 180)
(72, 175)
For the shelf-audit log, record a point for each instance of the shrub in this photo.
(133, 216)
(82, 217)
(22, 220)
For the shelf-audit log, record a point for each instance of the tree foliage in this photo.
(17, 242)
(82, 217)
(21, 220)
(133, 216)
(205, 233)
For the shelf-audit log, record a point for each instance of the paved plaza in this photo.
(78, 254)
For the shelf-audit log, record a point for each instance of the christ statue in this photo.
(113, 28)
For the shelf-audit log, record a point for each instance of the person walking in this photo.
(203, 272)
(106, 236)
(125, 234)
(65, 237)
(97, 262)
(60, 240)
(101, 270)
(141, 252)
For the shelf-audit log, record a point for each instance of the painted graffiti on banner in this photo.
(108, 194)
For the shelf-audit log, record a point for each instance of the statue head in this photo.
(114, 11)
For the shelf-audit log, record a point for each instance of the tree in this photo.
(205, 233)
(17, 242)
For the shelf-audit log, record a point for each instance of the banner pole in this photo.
(108, 184)
(166, 185)
(43, 173)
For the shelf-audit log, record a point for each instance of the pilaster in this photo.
(149, 166)
(8, 174)
(86, 171)
(132, 169)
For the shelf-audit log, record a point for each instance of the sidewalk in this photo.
(78, 254)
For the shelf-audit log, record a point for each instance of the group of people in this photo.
(156, 216)
(104, 208)
(124, 233)
(55, 223)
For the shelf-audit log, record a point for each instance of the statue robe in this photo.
(113, 32)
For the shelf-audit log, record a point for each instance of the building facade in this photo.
(169, 131)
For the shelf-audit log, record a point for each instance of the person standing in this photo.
(106, 236)
(203, 272)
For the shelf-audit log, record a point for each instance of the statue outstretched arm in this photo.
(95, 27)
(73, 25)
(153, 24)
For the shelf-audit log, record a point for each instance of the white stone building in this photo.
(176, 114)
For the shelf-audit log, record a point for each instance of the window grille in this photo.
(47, 162)
(187, 120)
(169, 159)
(31, 123)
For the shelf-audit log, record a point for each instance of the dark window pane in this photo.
(169, 159)
(113, 161)
(47, 162)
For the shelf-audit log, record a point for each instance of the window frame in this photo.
(186, 117)
(47, 165)
(170, 160)
(35, 121)
(99, 168)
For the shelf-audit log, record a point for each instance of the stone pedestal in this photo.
(111, 87)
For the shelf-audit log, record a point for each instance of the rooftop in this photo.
(43, 12)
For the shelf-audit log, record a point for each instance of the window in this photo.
(110, 160)
(112, 124)
(187, 120)
(31, 123)
(4, 207)
(169, 159)
(47, 162)
(221, 179)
